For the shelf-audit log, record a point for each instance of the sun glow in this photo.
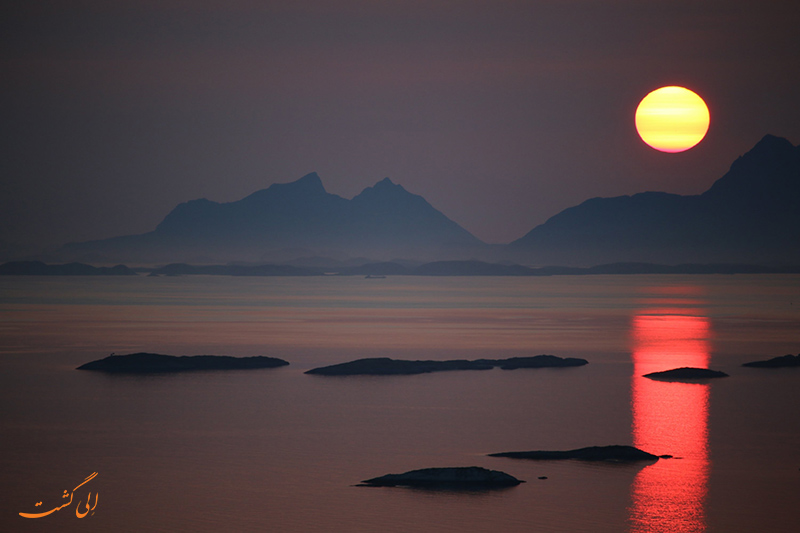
(672, 119)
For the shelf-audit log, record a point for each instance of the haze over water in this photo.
(277, 450)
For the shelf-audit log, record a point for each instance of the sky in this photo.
(500, 113)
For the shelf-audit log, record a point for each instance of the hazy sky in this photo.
(500, 113)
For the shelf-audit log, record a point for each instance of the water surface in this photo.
(277, 450)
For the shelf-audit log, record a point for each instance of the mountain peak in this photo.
(384, 189)
(771, 165)
(769, 148)
(310, 183)
(386, 186)
(772, 142)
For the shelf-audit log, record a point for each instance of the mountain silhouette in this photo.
(292, 219)
(750, 215)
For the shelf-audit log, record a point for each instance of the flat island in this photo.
(466, 477)
(384, 366)
(614, 454)
(150, 363)
(686, 374)
(784, 361)
(37, 268)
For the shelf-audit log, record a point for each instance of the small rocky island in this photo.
(784, 361)
(384, 366)
(614, 454)
(466, 477)
(686, 374)
(150, 363)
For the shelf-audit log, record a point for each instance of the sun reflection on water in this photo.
(670, 418)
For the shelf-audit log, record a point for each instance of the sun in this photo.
(672, 119)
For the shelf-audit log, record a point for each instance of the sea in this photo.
(277, 450)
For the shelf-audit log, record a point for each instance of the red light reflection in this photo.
(670, 418)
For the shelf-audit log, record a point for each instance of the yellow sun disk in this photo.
(672, 119)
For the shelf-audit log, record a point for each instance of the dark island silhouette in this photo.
(464, 268)
(183, 269)
(467, 477)
(38, 268)
(384, 366)
(614, 454)
(686, 374)
(388, 268)
(784, 361)
(150, 363)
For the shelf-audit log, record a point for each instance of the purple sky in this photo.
(500, 113)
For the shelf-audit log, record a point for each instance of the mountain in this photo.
(290, 220)
(750, 215)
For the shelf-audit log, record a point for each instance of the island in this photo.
(784, 361)
(686, 374)
(614, 454)
(37, 268)
(464, 477)
(183, 269)
(150, 363)
(384, 366)
(537, 361)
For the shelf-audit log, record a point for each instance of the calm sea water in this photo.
(277, 450)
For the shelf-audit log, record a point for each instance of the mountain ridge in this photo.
(747, 215)
(285, 218)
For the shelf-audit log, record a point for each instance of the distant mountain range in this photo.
(749, 216)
